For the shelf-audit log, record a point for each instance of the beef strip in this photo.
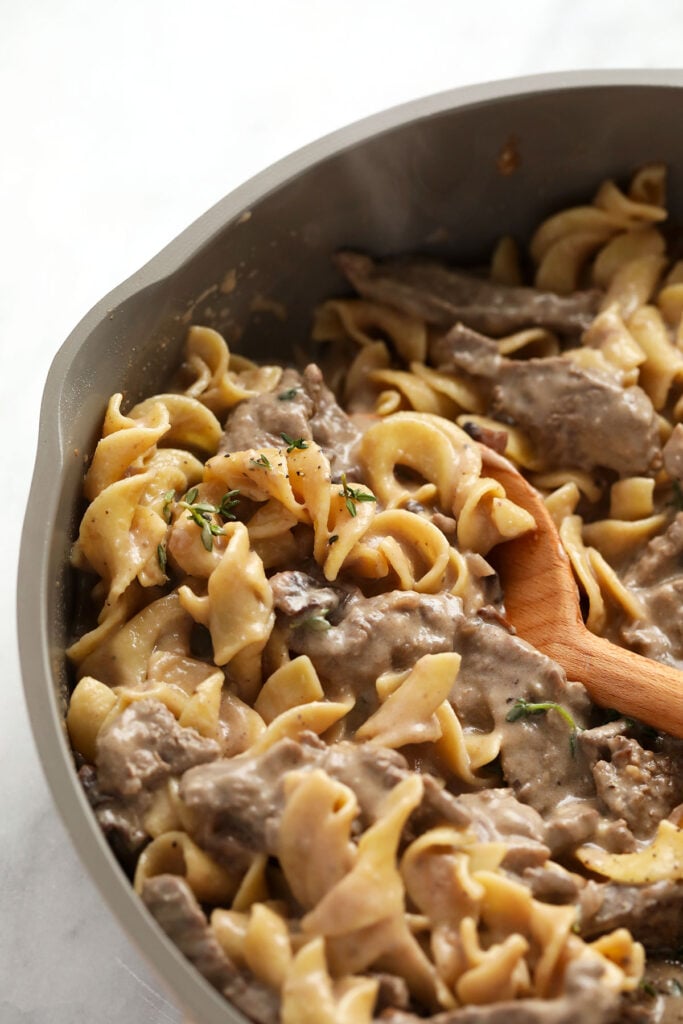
(234, 805)
(672, 453)
(379, 634)
(391, 631)
(653, 913)
(573, 416)
(585, 999)
(144, 746)
(302, 406)
(656, 576)
(639, 785)
(496, 815)
(122, 821)
(172, 903)
(442, 297)
(298, 594)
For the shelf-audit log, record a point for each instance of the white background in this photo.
(120, 123)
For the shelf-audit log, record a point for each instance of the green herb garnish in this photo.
(523, 709)
(261, 462)
(228, 502)
(293, 443)
(288, 395)
(201, 512)
(648, 988)
(351, 495)
(169, 497)
(161, 557)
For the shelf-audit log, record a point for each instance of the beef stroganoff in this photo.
(339, 781)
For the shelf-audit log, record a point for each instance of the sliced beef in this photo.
(298, 595)
(172, 903)
(538, 759)
(639, 785)
(376, 635)
(585, 1000)
(144, 746)
(302, 406)
(332, 429)
(120, 820)
(260, 421)
(442, 297)
(573, 416)
(656, 576)
(234, 805)
(496, 815)
(672, 453)
(652, 913)
(391, 631)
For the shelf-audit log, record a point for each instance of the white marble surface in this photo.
(119, 124)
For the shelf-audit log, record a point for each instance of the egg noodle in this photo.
(298, 707)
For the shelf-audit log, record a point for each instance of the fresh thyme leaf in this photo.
(262, 462)
(166, 508)
(648, 988)
(228, 502)
(161, 557)
(293, 442)
(191, 496)
(523, 708)
(207, 538)
(288, 395)
(352, 494)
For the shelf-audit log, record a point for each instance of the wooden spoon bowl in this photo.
(542, 603)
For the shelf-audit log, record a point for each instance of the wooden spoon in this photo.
(542, 603)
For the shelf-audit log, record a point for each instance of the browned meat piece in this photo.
(297, 595)
(573, 417)
(443, 297)
(120, 820)
(143, 746)
(496, 815)
(235, 804)
(639, 785)
(652, 913)
(302, 406)
(657, 577)
(259, 421)
(537, 757)
(172, 903)
(332, 429)
(379, 634)
(586, 999)
(672, 453)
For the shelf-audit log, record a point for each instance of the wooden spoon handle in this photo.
(542, 603)
(629, 683)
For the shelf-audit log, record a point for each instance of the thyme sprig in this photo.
(261, 463)
(202, 513)
(294, 442)
(351, 495)
(523, 708)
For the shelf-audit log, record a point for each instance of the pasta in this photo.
(298, 710)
